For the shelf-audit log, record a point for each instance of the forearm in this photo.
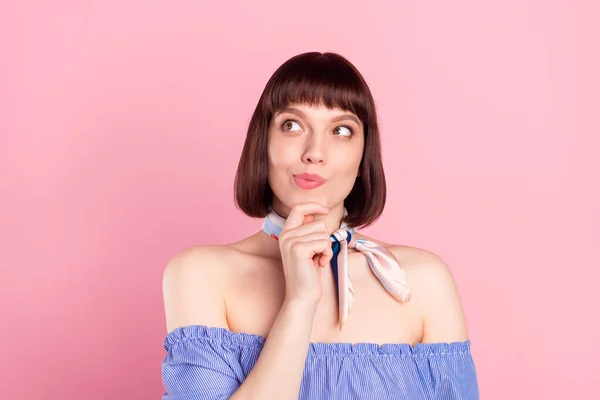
(278, 371)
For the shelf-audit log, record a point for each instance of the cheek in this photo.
(275, 159)
(356, 160)
(281, 156)
(274, 153)
(348, 161)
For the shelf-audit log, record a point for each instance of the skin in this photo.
(241, 287)
(307, 139)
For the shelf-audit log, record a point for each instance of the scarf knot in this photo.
(382, 262)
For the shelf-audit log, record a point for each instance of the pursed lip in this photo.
(310, 177)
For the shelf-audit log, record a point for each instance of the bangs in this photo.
(319, 79)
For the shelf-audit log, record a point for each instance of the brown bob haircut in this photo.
(314, 79)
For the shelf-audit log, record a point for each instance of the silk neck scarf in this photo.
(382, 262)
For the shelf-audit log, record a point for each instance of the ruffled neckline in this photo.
(315, 348)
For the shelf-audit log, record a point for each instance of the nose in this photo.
(315, 149)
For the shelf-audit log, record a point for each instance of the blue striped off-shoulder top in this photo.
(210, 363)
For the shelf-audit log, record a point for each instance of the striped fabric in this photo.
(205, 363)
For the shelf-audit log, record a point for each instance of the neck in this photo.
(333, 219)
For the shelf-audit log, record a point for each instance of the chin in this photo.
(291, 201)
(325, 202)
(293, 196)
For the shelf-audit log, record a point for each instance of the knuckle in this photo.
(296, 248)
(288, 244)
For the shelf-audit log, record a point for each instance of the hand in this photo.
(305, 246)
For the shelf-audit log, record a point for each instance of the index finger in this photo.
(300, 211)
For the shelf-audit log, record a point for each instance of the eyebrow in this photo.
(337, 118)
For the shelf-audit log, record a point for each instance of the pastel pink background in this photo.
(121, 123)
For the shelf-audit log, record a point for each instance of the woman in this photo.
(307, 307)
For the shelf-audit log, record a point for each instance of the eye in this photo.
(288, 125)
(343, 131)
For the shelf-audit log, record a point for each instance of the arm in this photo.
(193, 285)
(434, 293)
(193, 282)
(197, 287)
(452, 373)
(443, 315)
(279, 369)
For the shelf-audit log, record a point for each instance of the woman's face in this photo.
(325, 142)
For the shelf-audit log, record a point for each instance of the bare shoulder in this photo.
(433, 287)
(192, 285)
(434, 292)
